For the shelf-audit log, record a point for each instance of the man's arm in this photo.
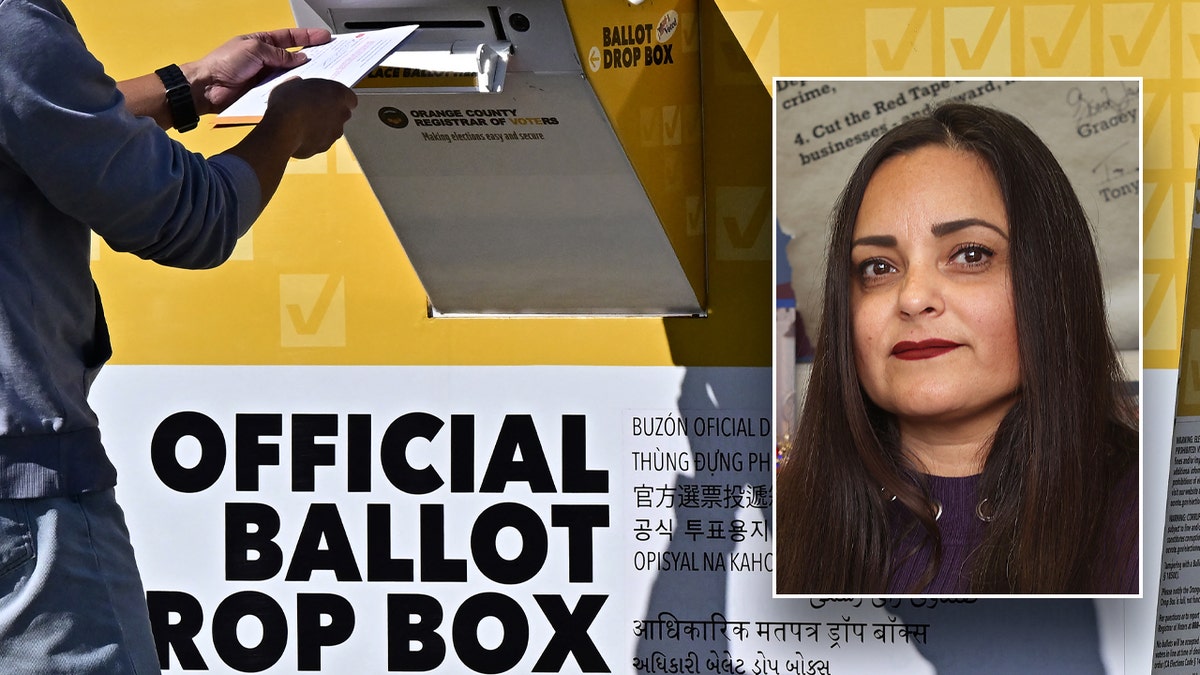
(222, 76)
(303, 119)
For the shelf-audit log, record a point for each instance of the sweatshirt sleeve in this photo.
(63, 123)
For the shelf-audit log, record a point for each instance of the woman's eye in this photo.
(875, 268)
(972, 255)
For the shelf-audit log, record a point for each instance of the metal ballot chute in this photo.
(500, 170)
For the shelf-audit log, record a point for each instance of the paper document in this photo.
(346, 59)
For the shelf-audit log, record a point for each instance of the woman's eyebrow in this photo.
(952, 226)
(875, 240)
(938, 230)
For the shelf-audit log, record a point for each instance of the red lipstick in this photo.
(925, 349)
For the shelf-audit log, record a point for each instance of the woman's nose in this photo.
(921, 292)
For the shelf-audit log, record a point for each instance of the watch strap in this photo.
(179, 98)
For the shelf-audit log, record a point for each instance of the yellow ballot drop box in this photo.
(536, 156)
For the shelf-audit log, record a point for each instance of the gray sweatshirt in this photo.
(73, 161)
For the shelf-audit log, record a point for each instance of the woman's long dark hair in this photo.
(1055, 456)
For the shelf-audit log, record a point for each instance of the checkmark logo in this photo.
(893, 60)
(974, 60)
(308, 325)
(1133, 55)
(313, 310)
(742, 217)
(1054, 57)
(672, 121)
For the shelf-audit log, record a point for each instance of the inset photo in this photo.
(958, 335)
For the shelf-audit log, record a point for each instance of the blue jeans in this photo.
(71, 599)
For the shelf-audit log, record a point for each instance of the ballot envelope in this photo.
(534, 160)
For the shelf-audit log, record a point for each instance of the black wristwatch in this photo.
(179, 98)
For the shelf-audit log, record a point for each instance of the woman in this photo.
(966, 428)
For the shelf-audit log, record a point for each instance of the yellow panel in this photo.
(643, 62)
(853, 38)
(914, 38)
(324, 280)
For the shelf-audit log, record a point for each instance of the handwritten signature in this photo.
(1115, 98)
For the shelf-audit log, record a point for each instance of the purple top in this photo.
(1115, 570)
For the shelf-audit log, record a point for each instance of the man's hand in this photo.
(303, 118)
(311, 112)
(222, 76)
